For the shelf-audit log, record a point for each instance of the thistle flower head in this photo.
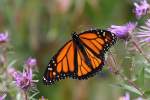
(139, 98)
(143, 33)
(126, 97)
(31, 62)
(43, 98)
(3, 37)
(141, 8)
(3, 97)
(123, 31)
(24, 79)
(11, 71)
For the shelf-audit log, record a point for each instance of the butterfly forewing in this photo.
(61, 65)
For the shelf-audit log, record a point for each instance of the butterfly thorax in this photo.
(75, 36)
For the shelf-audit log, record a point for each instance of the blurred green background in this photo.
(38, 28)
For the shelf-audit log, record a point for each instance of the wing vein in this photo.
(66, 53)
(91, 57)
(67, 61)
(89, 39)
(94, 45)
(81, 62)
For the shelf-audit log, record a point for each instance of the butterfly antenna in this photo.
(86, 27)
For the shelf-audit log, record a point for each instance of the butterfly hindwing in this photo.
(86, 70)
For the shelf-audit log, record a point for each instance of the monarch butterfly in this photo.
(81, 57)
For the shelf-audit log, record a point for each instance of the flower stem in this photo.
(132, 83)
(140, 49)
(25, 95)
(122, 76)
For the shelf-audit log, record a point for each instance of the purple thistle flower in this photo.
(31, 62)
(141, 8)
(110, 69)
(143, 33)
(139, 98)
(3, 37)
(42, 98)
(23, 80)
(3, 97)
(123, 31)
(126, 97)
(11, 71)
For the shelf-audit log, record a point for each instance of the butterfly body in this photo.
(81, 57)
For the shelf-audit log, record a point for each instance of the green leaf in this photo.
(32, 97)
(12, 63)
(147, 93)
(147, 73)
(147, 70)
(129, 88)
(140, 78)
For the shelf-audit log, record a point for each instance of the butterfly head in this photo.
(75, 36)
